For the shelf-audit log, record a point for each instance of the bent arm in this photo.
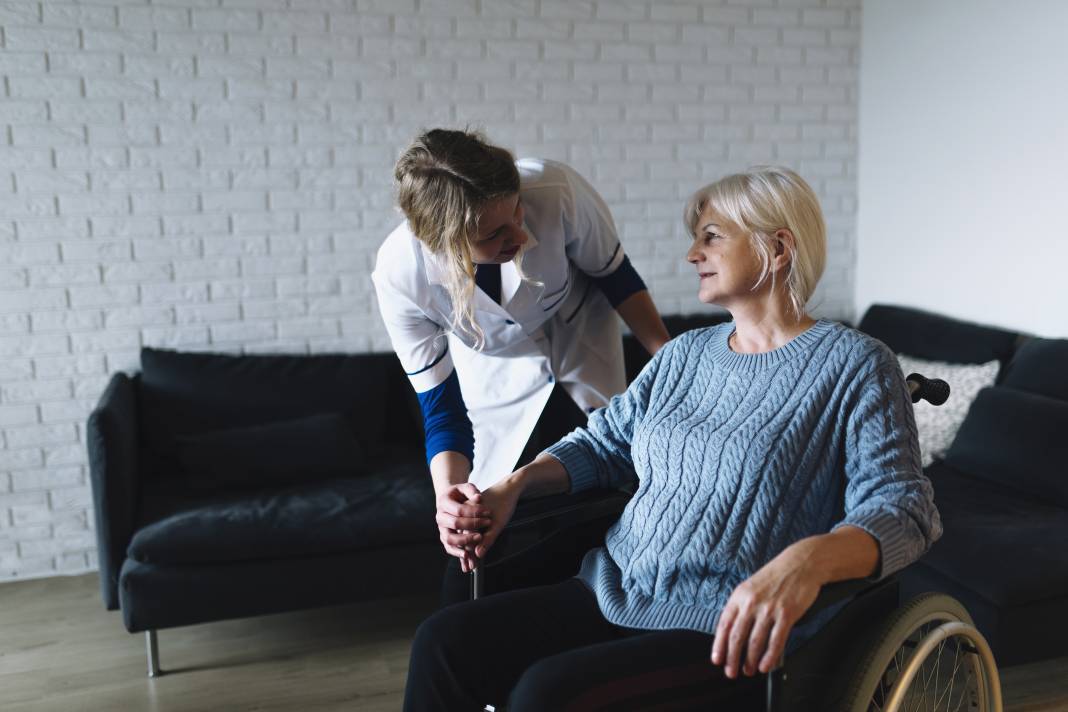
(887, 495)
(846, 553)
(449, 436)
(593, 245)
(640, 314)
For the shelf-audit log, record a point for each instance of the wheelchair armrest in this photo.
(537, 519)
(839, 591)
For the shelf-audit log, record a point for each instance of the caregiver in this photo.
(497, 289)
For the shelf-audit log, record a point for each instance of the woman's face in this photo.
(727, 265)
(500, 232)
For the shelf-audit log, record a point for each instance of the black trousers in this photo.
(549, 648)
(559, 558)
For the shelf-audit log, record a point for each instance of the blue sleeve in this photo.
(887, 495)
(445, 420)
(622, 283)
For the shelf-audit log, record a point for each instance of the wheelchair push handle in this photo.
(933, 390)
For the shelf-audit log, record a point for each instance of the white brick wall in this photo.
(215, 174)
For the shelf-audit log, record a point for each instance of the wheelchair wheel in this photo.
(927, 657)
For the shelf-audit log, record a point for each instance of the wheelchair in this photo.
(874, 655)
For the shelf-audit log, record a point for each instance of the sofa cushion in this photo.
(935, 337)
(1017, 440)
(187, 393)
(938, 424)
(1008, 548)
(301, 450)
(393, 506)
(1040, 366)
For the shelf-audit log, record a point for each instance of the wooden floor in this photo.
(60, 650)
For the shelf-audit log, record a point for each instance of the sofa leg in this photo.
(152, 643)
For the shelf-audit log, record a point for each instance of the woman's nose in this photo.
(519, 235)
(693, 255)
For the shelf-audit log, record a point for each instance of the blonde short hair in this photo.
(761, 201)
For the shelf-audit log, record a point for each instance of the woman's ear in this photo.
(785, 246)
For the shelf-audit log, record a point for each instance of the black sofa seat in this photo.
(157, 596)
(1008, 548)
(393, 506)
(1005, 557)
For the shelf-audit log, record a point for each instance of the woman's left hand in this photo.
(761, 612)
(501, 500)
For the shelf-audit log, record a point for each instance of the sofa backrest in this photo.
(938, 338)
(1017, 440)
(185, 393)
(634, 354)
(1040, 366)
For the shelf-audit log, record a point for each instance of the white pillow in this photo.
(938, 424)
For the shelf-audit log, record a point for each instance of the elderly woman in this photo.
(773, 454)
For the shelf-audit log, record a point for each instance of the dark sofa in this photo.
(231, 486)
(177, 548)
(1002, 488)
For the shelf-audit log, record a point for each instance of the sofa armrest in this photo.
(112, 440)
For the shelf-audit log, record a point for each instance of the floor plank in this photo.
(60, 650)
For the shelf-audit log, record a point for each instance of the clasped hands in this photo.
(470, 520)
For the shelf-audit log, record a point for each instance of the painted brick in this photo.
(20, 458)
(95, 250)
(32, 480)
(44, 87)
(226, 20)
(117, 41)
(18, 414)
(155, 18)
(103, 295)
(304, 23)
(22, 111)
(136, 316)
(20, 13)
(125, 226)
(80, 63)
(47, 38)
(70, 366)
(30, 435)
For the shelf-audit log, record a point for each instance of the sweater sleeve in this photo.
(599, 455)
(887, 494)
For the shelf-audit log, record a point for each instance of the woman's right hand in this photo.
(461, 516)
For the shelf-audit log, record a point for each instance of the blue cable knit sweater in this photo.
(737, 456)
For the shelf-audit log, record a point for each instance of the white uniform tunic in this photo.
(561, 330)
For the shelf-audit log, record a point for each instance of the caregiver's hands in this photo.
(469, 521)
(461, 515)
